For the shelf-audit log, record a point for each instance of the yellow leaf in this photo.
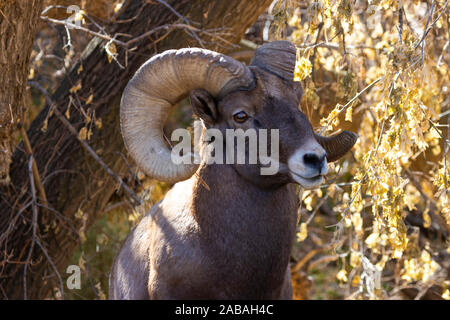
(68, 112)
(79, 214)
(117, 7)
(356, 281)
(355, 259)
(79, 16)
(436, 150)
(342, 275)
(80, 69)
(82, 263)
(100, 292)
(111, 51)
(426, 220)
(31, 74)
(89, 99)
(45, 125)
(83, 133)
(397, 253)
(380, 265)
(75, 88)
(303, 69)
(348, 114)
(303, 233)
(372, 239)
(357, 221)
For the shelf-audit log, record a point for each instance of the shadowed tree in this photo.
(18, 25)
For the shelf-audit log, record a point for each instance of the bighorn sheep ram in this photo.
(233, 239)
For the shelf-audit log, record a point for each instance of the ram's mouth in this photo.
(307, 183)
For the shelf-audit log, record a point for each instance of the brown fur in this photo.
(234, 240)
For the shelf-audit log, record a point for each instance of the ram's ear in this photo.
(338, 145)
(204, 105)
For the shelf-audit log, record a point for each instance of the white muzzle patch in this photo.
(308, 165)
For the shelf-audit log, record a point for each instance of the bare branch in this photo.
(36, 175)
(34, 226)
(74, 132)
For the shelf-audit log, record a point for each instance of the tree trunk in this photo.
(18, 25)
(77, 187)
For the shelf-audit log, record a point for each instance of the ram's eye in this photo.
(240, 117)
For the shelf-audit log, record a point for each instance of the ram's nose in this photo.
(316, 161)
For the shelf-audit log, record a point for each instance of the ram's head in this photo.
(226, 94)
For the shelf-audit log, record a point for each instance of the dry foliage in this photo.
(380, 68)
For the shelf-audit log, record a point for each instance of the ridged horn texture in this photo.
(276, 57)
(338, 145)
(160, 83)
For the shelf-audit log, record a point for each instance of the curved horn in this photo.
(276, 57)
(160, 83)
(338, 145)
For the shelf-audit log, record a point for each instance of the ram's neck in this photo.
(244, 228)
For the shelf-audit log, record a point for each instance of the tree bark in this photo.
(18, 25)
(77, 187)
